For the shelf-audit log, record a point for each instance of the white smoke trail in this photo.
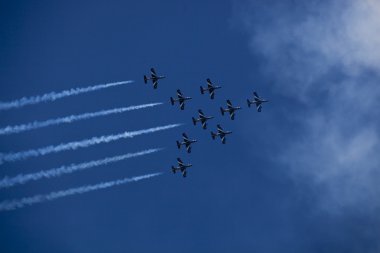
(19, 203)
(52, 96)
(70, 119)
(55, 172)
(11, 157)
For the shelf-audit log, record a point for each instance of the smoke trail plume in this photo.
(52, 96)
(56, 172)
(70, 119)
(11, 157)
(19, 203)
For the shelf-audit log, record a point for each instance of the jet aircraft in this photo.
(181, 167)
(181, 99)
(221, 133)
(154, 77)
(186, 142)
(230, 109)
(210, 88)
(202, 118)
(257, 101)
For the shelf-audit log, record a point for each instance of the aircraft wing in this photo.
(229, 104)
(201, 113)
(155, 83)
(182, 105)
(224, 139)
(255, 95)
(188, 148)
(185, 136)
(179, 94)
(220, 129)
(259, 106)
(180, 161)
(153, 72)
(204, 124)
(209, 83)
(212, 94)
(232, 115)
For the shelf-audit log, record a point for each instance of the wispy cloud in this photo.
(326, 56)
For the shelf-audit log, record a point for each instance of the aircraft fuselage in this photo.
(204, 118)
(182, 99)
(213, 88)
(188, 142)
(219, 133)
(232, 109)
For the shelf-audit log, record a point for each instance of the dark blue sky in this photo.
(238, 197)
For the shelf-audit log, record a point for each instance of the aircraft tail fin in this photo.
(194, 121)
(171, 100)
(221, 110)
(249, 103)
(145, 79)
(178, 144)
(202, 90)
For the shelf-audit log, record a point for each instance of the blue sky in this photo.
(302, 176)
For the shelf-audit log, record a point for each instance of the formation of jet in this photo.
(181, 99)
(230, 109)
(181, 167)
(221, 133)
(210, 88)
(154, 77)
(257, 101)
(202, 118)
(186, 142)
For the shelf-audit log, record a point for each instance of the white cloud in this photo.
(327, 56)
